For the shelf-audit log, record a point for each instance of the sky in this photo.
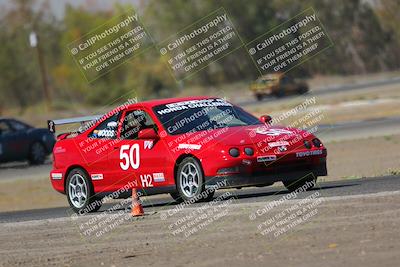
(58, 6)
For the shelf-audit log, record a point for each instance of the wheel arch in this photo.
(180, 159)
(70, 168)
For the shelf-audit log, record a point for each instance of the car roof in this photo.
(7, 119)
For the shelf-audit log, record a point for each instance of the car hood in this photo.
(249, 135)
(246, 135)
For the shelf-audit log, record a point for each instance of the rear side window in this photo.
(106, 129)
(18, 126)
(4, 127)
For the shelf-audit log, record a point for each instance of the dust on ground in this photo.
(350, 231)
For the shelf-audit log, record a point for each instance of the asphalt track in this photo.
(359, 129)
(362, 186)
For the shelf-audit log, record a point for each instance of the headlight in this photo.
(307, 144)
(234, 152)
(316, 142)
(249, 151)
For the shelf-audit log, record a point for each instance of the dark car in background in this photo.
(20, 141)
(277, 84)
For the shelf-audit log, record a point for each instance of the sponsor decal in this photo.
(56, 176)
(309, 153)
(189, 146)
(59, 149)
(158, 177)
(282, 148)
(266, 158)
(147, 180)
(97, 176)
(272, 132)
(200, 103)
(104, 133)
(278, 143)
(148, 144)
(246, 162)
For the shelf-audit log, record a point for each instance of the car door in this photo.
(94, 149)
(22, 138)
(10, 146)
(138, 161)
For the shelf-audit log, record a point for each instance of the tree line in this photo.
(365, 34)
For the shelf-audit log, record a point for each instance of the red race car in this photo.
(188, 147)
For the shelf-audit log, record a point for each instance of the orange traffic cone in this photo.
(137, 208)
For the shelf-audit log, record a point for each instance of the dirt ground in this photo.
(339, 231)
(346, 160)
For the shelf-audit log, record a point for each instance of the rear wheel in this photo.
(37, 154)
(307, 182)
(80, 193)
(259, 97)
(280, 93)
(190, 182)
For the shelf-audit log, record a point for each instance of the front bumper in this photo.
(268, 177)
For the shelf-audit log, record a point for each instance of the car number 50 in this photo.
(129, 159)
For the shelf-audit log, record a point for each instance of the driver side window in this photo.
(4, 128)
(134, 121)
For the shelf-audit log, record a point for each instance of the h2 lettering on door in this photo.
(147, 180)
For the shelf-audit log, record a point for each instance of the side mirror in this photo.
(267, 119)
(149, 133)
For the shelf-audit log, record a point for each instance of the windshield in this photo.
(201, 115)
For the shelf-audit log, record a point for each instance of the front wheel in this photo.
(190, 182)
(80, 193)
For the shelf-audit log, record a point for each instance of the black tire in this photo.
(37, 153)
(183, 184)
(176, 197)
(91, 202)
(259, 97)
(280, 93)
(302, 90)
(293, 185)
(209, 197)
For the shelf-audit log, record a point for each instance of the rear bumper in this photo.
(266, 178)
(57, 180)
